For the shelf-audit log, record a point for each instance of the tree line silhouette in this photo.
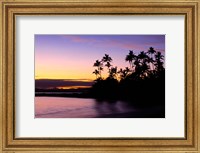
(143, 81)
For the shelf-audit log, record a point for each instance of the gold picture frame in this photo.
(11, 8)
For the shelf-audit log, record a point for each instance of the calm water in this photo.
(57, 107)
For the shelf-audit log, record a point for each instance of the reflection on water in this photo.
(57, 107)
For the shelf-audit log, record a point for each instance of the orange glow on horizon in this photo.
(79, 75)
(60, 75)
(73, 87)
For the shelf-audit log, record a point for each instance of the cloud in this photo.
(79, 39)
(107, 42)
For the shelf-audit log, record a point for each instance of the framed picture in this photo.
(96, 76)
(72, 88)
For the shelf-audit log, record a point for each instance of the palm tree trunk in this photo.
(152, 64)
(99, 71)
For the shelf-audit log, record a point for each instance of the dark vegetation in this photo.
(142, 82)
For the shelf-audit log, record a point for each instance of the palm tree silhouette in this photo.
(144, 70)
(113, 72)
(99, 65)
(140, 78)
(151, 52)
(107, 59)
(159, 61)
(143, 56)
(141, 65)
(96, 72)
(123, 73)
(159, 56)
(108, 65)
(130, 57)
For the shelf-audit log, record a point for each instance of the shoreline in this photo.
(133, 114)
(131, 103)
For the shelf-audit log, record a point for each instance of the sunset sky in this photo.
(71, 57)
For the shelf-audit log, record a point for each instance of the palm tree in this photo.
(127, 70)
(151, 52)
(159, 61)
(113, 72)
(99, 65)
(159, 56)
(96, 72)
(145, 70)
(108, 65)
(142, 56)
(123, 73)
(142, 66)
(137, 64)
(130, 57)
(107, 59)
